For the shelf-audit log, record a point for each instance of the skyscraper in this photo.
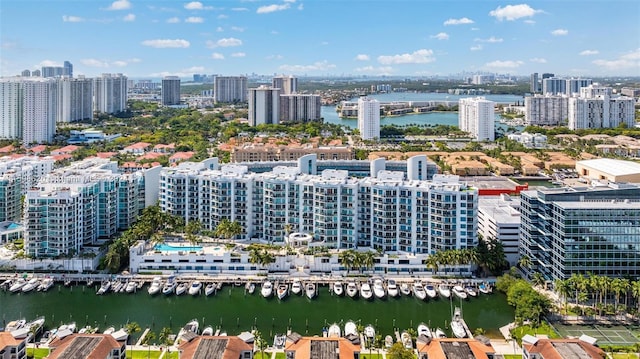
(67, 69)
(554, 86)
(534, 85)
(476, 115)
(573, 86)
(287, 84)
(11, 108)
(25, 73)
(596, 108)
(546, 110)
(75, 99)
(230, 89)
(368, 118)
(40, 99)
(36, 73)
(170, 91)
(263, 105)
(110, 93)
(299, 108)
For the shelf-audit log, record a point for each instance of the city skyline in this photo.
(148, 39)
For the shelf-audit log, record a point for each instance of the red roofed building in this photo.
(37, 149)
(60, 158)
(87, 346)
(180, 156)
(11, 348)
(137, 148)
(216, 347)
(539, 348)
(7, 149)
(162, 148)
(150, 156)
(453, 348)
(65, 150)
(105, 154)
(316, 347)
(130, 167)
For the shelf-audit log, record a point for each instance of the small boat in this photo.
(388, 341)
(459, 292)
(296, 287)
(484, 288)
(195, 287)
(369, 332)
(207, 331)
(456, 324)
(181, 288)
(444, 290)
(116, 286)
(440, 333)
(6, 284)
(365, 291)
(17, 285)
(169, 287)
(46, 284)
(378, 289)
(267, 289)
(156, 286)
(280, 340)
(431, 291)
(15, 325)
(109, 330)
(334, 330)
(88, 329)
(67, 328)
(32, 284)
(282, 291)
(405, 289)
(252, 288)
(471, 291)
(352, 289)
(310, 290)
(104, 288)
(406, 340)
(209, 289)
(131, 287)
(219, 286)
(46, 336)
(392, 288)
(190, 327)
(67, 282)
(423, 330)
(89, 282)
(120, 335)
(418, 290)
(337, 288)
(350, 328)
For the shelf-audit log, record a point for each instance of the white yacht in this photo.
(388, 341)
(337, 288)
(181, 288)
(209, 289)
(169, 287)
(365, 291)
(423, 330)
(267, 289)
(156, 286)
(485, 288)
(195, 287)
(405, 289)
(131, 287)
(296, 287)
(17, 285)
(406, 340)
(251, 288)
(459, 292)
(392, 288)
(352, 289)
(207, 331)
(471, 291)
(440, 333)
(456, 324)
(283, 290)
(334, 330)
(378, 289)
(32, 284)
(431, 291)
(104, 288)
(350, 328)
(191, 327)
(444, 290)
(310, 290)
(418, 290)
(46, 284)
(369, 332)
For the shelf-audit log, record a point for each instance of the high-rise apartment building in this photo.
(110, 93)
(11, 108)
(25, 73)
(573, 86)
(75, 99)
(52, 71)
(546, 110)
(369, 118)
(67, 69)
(264, 106)
(554, 86)
(476, 115)
(300, 108)
(39, 110)
(170, 91)
(228, 89)
(534, 83)
(287, 84)
(36, 73)
(596, 108)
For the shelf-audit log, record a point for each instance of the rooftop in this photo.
(204, 347)
(613, 167)
(452, 348)
(82, 346)
(563, 349)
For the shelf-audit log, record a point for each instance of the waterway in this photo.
(234, 311)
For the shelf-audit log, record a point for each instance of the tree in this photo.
(398, 351)
(191, 230)
(347, 258)
(164, 336)
(563, 288)
(149, 338)
(537, 279)
(259, 342)
(228, 229)
(132, 328)
(635, 292)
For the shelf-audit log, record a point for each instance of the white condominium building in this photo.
(11, 108)
(264, 106)
(16, 177)
(300, 108)
(368, 118)
(110, 93)
(573, 86)
(75, 99)
(39, 111)
(546, 110)
(597, 108)
(287, 84)
(230, 89)
(476, 115)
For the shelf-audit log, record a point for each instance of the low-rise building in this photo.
(499, 218)
(299, 347)
(137, 148)
(453, 348)
(535, 348)
(95, 346)
(610, 170)
(529, 140)
(89, 136)
(10, 231)
(225, 347)
(11, 348)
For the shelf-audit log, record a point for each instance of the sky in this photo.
(151, 39)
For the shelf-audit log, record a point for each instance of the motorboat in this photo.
(190, 327)
(15, 325)
(350, 328)
(209, 289)
(456, 324)
(418, 290)
(392, 288)
(406, 340)
(423, 330)
(296, 287)
(109, 330)
(282, 291)
(431, 291)
(378, 289)
(120, 335)
(352, 289)
(444, 290)
(484, 288)
(459, 292)
(334, 330)
(388, 341)
(131, 287)
(181, 288)
(17, 285)
(267, 289)
(45, 285)
(89, 282)
(28, 330)
(169, 287)
(471, 291)
(104, 288)
(279, 341)
(207, 331)
(156, 286)
(369, 332)
(219, 286)
(195, 287)
(310, 290)
(6, 283)
(88, 330)
(440, 333)
(365, 291)
(251, 288)
(32, 284)
(47, 336)
(337, 288)
(405, 289)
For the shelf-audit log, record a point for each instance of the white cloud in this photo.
(120, 5)
(238, 54)
(237, 28)
(476, 48)
(194, 20)
(513, 12)
(559, 32)
(129, 17)
(589, 52)
(440, 36)
(626, 61)
(301, 7)
(217, 56)
(222, 17)
(120, 63)
(422, 56)
(461, 21)
(225, 42)
(273, 8)
(188, 72)
(362, 57)
(107, 64)
(70, 18)
(531, 22)
(239, 9)
(538, 60)
(324, 43)
(197, 5)
(173, 20)
(316, 66)
(166, 43)
(45, 63)
(491, 40)
(381, 70)
(508, 64)
(219, 29)
(94, 63)
(274, 32)
(274, 57)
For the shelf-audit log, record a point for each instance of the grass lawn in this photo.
(143, 354)
(512, 356)
(623, 356)
(37, 353)
(371, 356)
(265, 355)
(280, 356)
(544, 328)
(172, 355)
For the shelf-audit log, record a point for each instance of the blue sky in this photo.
(150, 39)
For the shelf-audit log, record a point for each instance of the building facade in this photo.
(499, 218)
(476, 115)
(170, 91)
(287, 84)
(554, 86)
(40, 109)
(300, 108)
(264, 106)
(573, 86)
(597, 108)
(368, 118)
(546, 110)
(75, 99)
(110, 93)
(230, 89)
(11, 108)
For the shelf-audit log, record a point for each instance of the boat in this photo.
(378, 289)
(456, 324)
(17, 285)
(365, 291)
(209, 289)
(104, 288)
(195, 287)
(120, 335)
(28, 330)
(15, 325)
(181, 288)
(459, 291)
(207, 331)
(310, 290)
(388, 341)
(431, 291)
(392, 288)
(45, 285)
(131, 287)
(337, 288)
(440, 333)
(406, 340)
(405, 289)
(252, 288)
(282, 291)
(156, 286)
(279, 341)
(46, 336)
(67, 282)
(352, 289)
(169, 287)
(296, 287)
(32, 284)
(350, 328)
(89, 282)
(334, 330)
(267, 289)
(444, 290)
(109, 330)
(6, 284)
(423, 330)
(116, 286)
(471, 291)
(88, 330)
(219, 286)
(369, 332)
(418, 290)
(190, 327)
(484, 288)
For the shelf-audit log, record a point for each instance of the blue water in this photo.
(168, 247)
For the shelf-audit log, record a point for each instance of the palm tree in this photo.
(164, 335)
(537, 279)
(368, 259)
(132, 328)
(191, 230)
(347, 258)
(617, 287)
(635, 292)
(563, 288)
(432, 262)
(228, 229)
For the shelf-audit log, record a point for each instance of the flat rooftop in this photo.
(489, 182)
(612, 167)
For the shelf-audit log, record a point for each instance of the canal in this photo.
(234, 311)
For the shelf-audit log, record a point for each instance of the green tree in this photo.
(192, 230)
(260, 342)
(347, 258)
(228, 229)
(398, 351)
(165, 336)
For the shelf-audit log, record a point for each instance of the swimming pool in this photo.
(168, 247)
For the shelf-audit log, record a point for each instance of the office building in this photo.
(369, 118)
(554, 86)
(597, 108)
(547, 75)
(227, 89)
(40, 109)
(300, 108)
(575, 230)
(264, 106)
(170, 91)
(573, 86)
(476, 115)
(287, 84)
(75, 99)
(499, 218)
(534, 83)
(110, 93)
(546, 110)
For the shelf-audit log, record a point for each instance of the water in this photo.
(168, 247)
(234, 311)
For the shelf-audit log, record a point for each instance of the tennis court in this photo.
(606, 334)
